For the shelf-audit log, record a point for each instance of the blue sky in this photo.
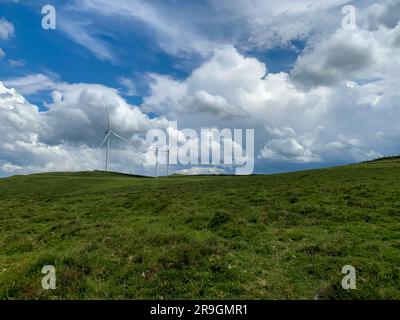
(52, 52)
(289, 70)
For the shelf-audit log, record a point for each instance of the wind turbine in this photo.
(156, 162)
(157, 149)
(168, 161)
(107, 139)
(167, 151)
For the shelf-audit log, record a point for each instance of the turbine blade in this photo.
(105, 139)
(108, 120)
(118, 136)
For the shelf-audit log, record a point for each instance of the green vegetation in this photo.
(283, 236)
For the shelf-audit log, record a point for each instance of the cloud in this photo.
(202, 101)
(85, 33)
(267, 25)
(129, 85)
(6, 29)
(339, 103)
(381, 14)
(10, 168)
(67, 135)
(213, 88)
(98, 21)
(285, 144)
(200, 171)
(16, 63)
(349, 55)
(189, 28)
(291, 124)
(288, 150)
(78, 113)
(6, 32)
(31, 84)
(295, 126)
(343, 146)
(234, 90)
(288, 146)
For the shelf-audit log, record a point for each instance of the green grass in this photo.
(283, 236)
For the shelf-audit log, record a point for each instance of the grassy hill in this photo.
(283, 236)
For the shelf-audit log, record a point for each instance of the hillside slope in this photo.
(281, 236)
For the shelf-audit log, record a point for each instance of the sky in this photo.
(318, 90)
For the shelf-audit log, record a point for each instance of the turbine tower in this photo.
(168, 162)
(167, 150)
(156, 162)
(107, 138)
(157, 150)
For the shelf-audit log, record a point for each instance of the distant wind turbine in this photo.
(157, 162)
(107, 139)
(157, 149)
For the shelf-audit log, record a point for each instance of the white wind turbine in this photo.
(157, 151)
(107, 138)
(167, 150)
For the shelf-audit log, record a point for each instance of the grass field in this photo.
(284, 236)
